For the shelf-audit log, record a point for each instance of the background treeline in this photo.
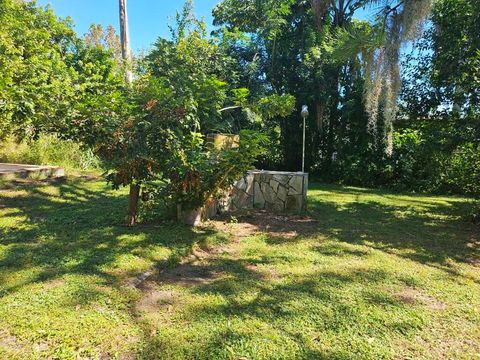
(433, 145)
(264, 60)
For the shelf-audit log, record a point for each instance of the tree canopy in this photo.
(251, 75)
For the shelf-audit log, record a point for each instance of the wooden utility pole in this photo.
(127, 58)
(125, 40)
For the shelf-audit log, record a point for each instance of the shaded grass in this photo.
(383, 276)
(380, 275)
(64, 258)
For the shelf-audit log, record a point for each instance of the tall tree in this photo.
(36, 85)
(297, 43)
(107, 39)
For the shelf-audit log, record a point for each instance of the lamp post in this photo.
(304, 114)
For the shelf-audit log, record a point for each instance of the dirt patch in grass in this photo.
(156, 301)
(199, 267)
(413, 296)
(189, 274)
(268, 274)
(9, 341)
(275, 225)
(53, 284)
(154, 298)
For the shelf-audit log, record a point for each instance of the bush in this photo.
(464, 169)
(49, 150)
(436, 160)
(196, 172)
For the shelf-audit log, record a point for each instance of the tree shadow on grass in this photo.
(64, 248)
(355, 308)
(429, 231)
(73, 228)
(79, 230)
(314, 302)
(319, 302)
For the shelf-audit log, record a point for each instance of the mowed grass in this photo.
(375, 275)
(66, 261)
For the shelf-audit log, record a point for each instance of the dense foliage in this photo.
(177, 98)
(439, 133)
(148, 134)
(264, 60)
(347, 71)
(35, 81)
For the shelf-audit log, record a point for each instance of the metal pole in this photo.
(304, 114)
(303, 151)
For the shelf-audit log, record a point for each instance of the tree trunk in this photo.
(319, 116)
(320, 8)
(133, 204)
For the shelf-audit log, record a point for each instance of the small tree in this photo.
(36, 84)
(175, 102)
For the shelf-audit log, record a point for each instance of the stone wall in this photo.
(271, 190)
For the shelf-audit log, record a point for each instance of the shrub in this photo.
(197, 172)
(49, 150)
(464, 169)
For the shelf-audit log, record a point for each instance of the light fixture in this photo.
(304, 114)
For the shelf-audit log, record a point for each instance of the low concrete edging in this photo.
(25, 171)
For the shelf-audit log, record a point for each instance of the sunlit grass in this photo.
(64, 258)
(381, 275)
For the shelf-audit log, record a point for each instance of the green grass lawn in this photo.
(369, 274)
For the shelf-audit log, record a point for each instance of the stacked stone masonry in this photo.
(270, 190)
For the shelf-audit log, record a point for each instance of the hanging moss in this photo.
(399, 24)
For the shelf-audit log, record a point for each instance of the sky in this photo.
(148, 19)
